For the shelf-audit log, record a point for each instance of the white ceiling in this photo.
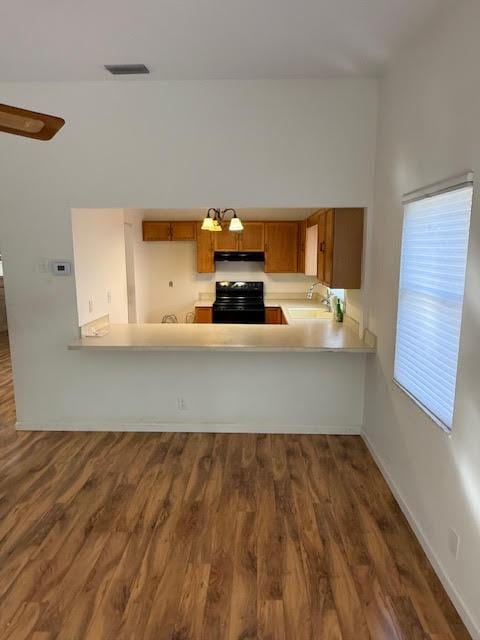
(205, 39)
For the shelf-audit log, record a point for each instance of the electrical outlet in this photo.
(453, 542)
(109, 297)
(90, 306)
(170, 284)
(181, 404)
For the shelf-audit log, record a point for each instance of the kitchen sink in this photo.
(308, 313)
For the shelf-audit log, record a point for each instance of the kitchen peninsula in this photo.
(314, 335)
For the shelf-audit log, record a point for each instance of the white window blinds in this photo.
(432, 281)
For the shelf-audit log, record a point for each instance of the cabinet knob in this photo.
(322, 247)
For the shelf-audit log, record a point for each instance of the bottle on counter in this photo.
(338, 310)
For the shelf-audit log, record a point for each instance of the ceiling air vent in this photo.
(126, 69)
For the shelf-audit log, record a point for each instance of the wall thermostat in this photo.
(61, 267)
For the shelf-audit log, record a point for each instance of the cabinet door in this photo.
(281, 247)
(322, 230)
(302, 242)
(183, 230)
(154, 230)
(205, 263)
(252, 238)
(273, 315)
(203, 315)
(225, 240)
(329, 248)
(345, 250)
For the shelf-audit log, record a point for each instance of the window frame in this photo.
(455, 183)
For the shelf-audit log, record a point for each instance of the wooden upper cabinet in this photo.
(161, 230)
(154, 230)
(302, 239)
(340, 248)
(205, 262)
(183, 230)
(225, 240)
(281, 247)
(321, 240)
(252, 238)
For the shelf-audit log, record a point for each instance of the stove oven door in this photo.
(228, 314)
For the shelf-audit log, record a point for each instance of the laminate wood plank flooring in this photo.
(175, 536)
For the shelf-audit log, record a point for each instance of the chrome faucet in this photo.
(327, 301)
(310, 290)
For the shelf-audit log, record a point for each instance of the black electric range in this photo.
(239, 303)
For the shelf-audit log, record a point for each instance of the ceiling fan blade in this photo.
(22, 122)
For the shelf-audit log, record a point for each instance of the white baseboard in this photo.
(452, 592)
(189, 427)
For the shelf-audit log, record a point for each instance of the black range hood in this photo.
(239, 256)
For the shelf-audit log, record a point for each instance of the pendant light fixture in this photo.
(214, 222)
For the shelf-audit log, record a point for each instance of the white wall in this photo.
(100, 266)
(172, 144)
(429, 130)
(3, 308)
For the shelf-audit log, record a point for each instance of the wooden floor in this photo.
(182, 536)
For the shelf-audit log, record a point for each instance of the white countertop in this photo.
(312, 336)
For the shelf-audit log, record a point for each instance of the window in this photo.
(432, 281)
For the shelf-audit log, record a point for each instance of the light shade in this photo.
(216, 226)
(236, 224)
(208, 224)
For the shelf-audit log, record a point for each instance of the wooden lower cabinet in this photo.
(274, 315)
(203, 315)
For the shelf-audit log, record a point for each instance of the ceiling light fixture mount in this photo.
(214, 222)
